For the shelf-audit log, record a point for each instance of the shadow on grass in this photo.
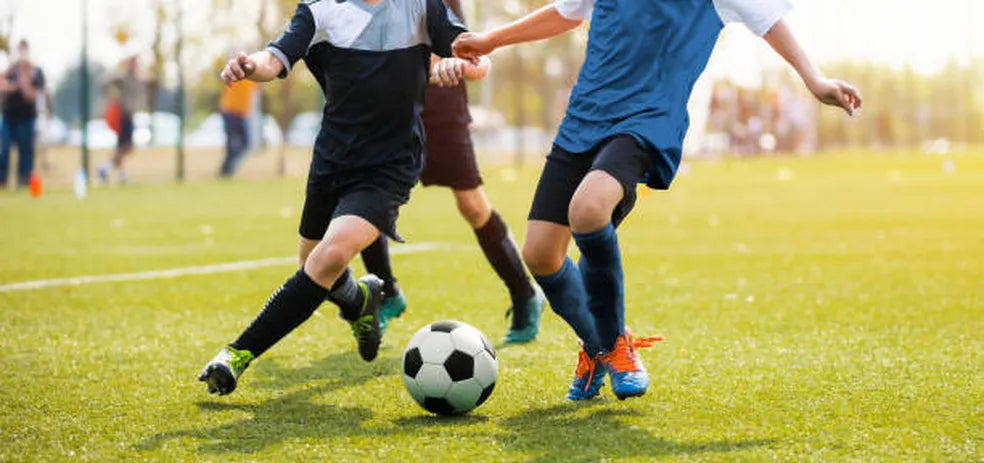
(435, 421)
(294, 415)
(595, 431)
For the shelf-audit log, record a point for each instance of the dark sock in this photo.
(347, 295)
(565, 291)
(377, 261)
(601, 269)
(287, 308)
(501, 252)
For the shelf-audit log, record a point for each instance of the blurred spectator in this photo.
(20, 87)
(745, 121)
(125, 95)
(236, 106)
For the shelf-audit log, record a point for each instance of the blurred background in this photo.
(919, 64)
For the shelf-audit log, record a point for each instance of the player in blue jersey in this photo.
(372, 60)
(451, 163)
(624, 125)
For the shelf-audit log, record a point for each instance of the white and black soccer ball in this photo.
(449, 367)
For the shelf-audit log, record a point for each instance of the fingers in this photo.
(247, 64)
(853, 93)
(848, 97)
(237, 69)
(470, 46)
(448, 72)
(844, 101)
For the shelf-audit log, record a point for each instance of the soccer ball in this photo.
(449, 368)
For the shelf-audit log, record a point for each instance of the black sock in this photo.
(347, 295)
(377, 261)
(286, 309)
(501, 252)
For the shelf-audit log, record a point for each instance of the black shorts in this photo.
(620, 156)
(373, 193)
(450, 158)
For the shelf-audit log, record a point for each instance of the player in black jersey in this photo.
(372, 60)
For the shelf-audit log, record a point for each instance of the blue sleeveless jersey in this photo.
(642, 61)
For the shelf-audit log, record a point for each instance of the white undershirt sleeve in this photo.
(574, 9)
(758, 15)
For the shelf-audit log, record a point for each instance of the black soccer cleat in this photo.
(365, 328)
(222, 373)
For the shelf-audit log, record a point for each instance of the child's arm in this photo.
(829, 91)
(279, 56)
(448, 72)
(544, 23)
(261, 66)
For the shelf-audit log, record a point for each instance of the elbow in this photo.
(573, 23)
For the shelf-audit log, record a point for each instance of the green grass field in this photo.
(825, 308)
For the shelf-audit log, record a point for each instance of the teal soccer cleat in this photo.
(523, 331)
(392, 307)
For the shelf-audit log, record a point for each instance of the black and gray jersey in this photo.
(373, 63)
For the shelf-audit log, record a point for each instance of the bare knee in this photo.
(588, 214)
(326, 262)
(594, 201)
(542, 260)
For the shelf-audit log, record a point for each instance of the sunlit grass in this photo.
(825, 308)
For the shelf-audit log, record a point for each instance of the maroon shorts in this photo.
(450, 155)
(450, 158)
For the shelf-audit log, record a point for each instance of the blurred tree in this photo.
(159, 57)
(285, 98)
(905, 109)
(69, 89)
(6, 27)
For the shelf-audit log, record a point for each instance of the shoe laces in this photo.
(625, 357)
(586, 366)
(361, 326)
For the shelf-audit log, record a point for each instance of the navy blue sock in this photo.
(565, 291)
(287, 308)
(601, 269)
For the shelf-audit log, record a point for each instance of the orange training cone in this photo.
(34, 184)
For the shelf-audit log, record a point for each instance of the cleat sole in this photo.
(219, 381)
(630, 395)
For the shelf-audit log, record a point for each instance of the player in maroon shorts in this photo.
(451, 163)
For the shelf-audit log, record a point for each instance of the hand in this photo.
(472, 46)
(837, 93)
(24, 78)
(237, 69)
(448, 72)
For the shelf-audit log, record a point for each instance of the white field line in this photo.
(201, 270)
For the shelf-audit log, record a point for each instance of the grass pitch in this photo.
(826, 308)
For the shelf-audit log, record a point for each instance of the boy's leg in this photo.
(601, 261)
(500, 251)
(602, 199)
(547, 236)
(297, 299)
(545, 253)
